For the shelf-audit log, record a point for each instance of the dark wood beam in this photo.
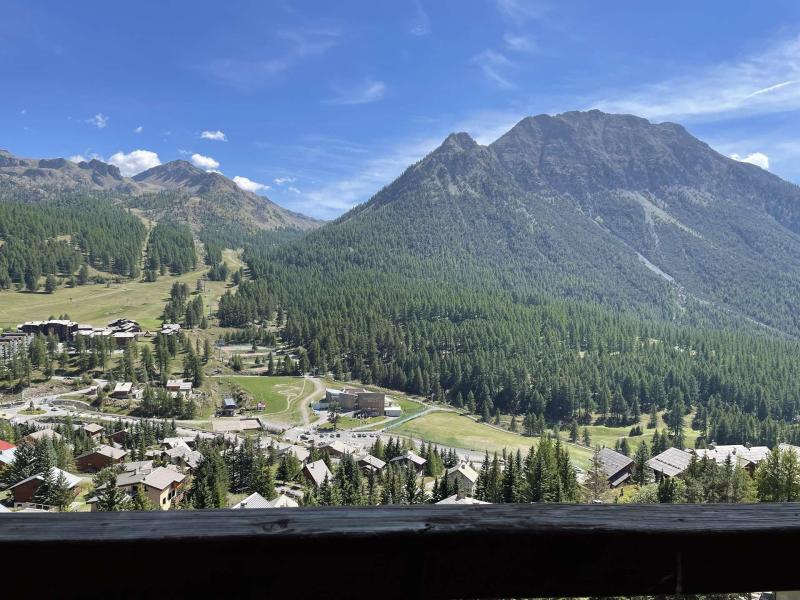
(407, 551)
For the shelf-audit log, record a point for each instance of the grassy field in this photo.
(608, 436)
(99, 304)
(281, 395)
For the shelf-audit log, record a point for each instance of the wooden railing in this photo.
(493, 551)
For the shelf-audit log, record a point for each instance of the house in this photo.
(123, 338)
(98, 459)
(316, 472)
(370, 463)
(170, 329)
(463, 476)
(301, 453)
(119, 437)
(283, 501)
(93, 430)
(122, 390)
(337, 449)
(24, 491)
(179, 386)
(183, 457)
(4, 445)
(43, 434)
(175, 442)
(616, 466)
(460, 498)
(125, 326)
(164, 486)
(409, 458)
(63, 329)
(229, 407)
(746, 456)
(671, 462)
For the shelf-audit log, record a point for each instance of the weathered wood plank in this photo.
(419, 551)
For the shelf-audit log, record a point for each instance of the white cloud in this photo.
(134, 162)
(23, 112)
(365, 92)
(765, 82)
(523, 10)
(249, 185)
(494, 66)
(76, 158)
(421, 25)
(139, 129)
(293, 189)
(204, 162)
(216, 136)
(756, 158)
(99, 120)
(282, 180)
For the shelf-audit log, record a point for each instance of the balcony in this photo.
(407, 552)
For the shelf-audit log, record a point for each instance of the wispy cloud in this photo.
(421, 25)
(131, 163)
(293, 189)
(523, 10)
(204, 162)
(765, 82)
(23, 112)
(249, 185)
(139, 129)
(363, 93)
(298, 44)
(216, 136)
(495, 67)
(516, 42)
(282, 180)
(99, 120)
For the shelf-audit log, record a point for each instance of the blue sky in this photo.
(319, 104)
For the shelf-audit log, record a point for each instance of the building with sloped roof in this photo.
(316, 472)
(745, 456)
(671, 462)
(98, 459)
(616, 466)
(463, 476)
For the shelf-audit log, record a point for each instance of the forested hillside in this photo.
(57, 238)
(515, 277)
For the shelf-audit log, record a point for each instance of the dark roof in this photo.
(613, 462)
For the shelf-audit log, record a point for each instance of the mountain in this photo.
(608, 209)
(176, 189)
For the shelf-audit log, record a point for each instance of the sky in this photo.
(318, 105)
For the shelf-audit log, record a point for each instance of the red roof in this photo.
(4, 445)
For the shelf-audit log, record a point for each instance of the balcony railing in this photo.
(406, 552)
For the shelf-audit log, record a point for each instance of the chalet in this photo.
(460, 498)
(317, 472)
(409, 458)
(176, 442)
(183, 457)
(43, 434)
(24, 491)
(301, 453)
(170, 329)
(93, 430)
(337, 449)
(122, 390)
(125, 326)
(616, 466)
(179, 386)
(123, 338)
(370, 464)
(229, 407)
(671, 462)
(747, 456)
(164, 486)
(98, 459)
(119, 437)
(463, 476)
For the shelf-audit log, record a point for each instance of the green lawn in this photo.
(349, 423)
(608, 436)
(99, 304)
(281, 395)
